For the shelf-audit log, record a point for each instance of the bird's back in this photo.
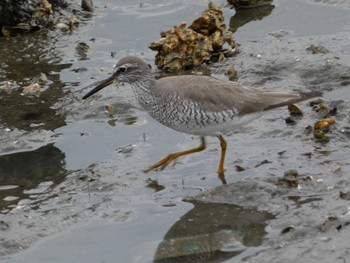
(204, 105)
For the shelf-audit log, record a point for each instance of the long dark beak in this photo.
(101, 85)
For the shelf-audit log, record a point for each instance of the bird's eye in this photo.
(122, 69)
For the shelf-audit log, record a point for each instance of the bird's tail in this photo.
(303, 97)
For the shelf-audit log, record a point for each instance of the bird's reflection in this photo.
(245, 15)
(26, 170)
(212, 232)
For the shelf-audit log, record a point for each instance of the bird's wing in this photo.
(214, 95)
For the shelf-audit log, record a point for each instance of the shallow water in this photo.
(71, 182)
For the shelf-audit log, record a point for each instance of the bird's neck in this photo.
(142, 88)
(143, 84)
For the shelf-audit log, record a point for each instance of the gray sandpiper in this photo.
(197, 105)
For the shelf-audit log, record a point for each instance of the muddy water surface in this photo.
(71, 182)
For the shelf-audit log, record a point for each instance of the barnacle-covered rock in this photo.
(248, 3)
(18, 16)
(184, 47)
(23, 16)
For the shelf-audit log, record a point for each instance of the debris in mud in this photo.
(281, 153)
(6, 85)
(289, 120)
(262, 162)
(287, 229)
(239, 168)
(66, 24)
(324, 123)
(87, 5)
(110, 110)
(42, 79)
(333, 222)
(248, 3)
(86, 178)
(232, 74)
(308, 129)
(317, 49)
(134, 122)
(308, 154)
(292, 178)
(36, 85)
(318, 134)
(82, 49)
(278, 34)
(294, 110)
(324, 109)
(126, 150)
(182, 48)
(337, 169)
(112, 122)
(20, 208)
(295, 113)
(4, 225)
(344, 195)
(153, 184)
(321, 128)
(8, 31)
(31, 89)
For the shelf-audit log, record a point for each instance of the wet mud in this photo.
(71, 182)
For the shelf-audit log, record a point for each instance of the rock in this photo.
(184, 47)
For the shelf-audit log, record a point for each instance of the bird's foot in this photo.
(162, 163)
(221, 176)
(173, 156)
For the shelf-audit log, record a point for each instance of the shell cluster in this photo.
(322, 127)
(24, 16)
(184, 47)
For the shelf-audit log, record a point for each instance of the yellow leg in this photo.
(168, 159)
(221, 168)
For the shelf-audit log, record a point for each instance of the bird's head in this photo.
(129, 69)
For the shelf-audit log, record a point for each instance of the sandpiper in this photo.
(197, 105)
